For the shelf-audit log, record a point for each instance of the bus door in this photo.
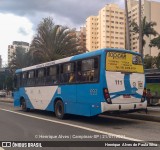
(68, 79)
(87, 87)
(16, 85)
(124, 77)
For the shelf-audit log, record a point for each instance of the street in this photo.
(16, 125)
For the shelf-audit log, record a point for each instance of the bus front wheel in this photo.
(59, 109)
(24, 106)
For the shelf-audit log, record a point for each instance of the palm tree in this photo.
(147, 30)
(54, 41)
(155, 42)
(140, 30)
(127, 27)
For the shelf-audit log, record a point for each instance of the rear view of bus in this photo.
(125, 82)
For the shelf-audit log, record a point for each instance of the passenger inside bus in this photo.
(79, 76)
(72, 78)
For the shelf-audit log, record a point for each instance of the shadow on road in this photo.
(101, 120)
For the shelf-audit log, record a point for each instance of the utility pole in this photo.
(127, 27)
(140, 30)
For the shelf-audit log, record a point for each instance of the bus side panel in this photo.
(90, 94)
(77, 109)
(66, 93)
(39, 97)
(16, 99)
(22, 94)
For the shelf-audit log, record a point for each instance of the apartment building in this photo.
(150, 9)
(12, 48)
(81, 35)
(107, 30)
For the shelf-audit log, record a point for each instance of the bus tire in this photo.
(59, 109)
(24, 106)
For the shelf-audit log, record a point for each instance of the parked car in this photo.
(2, 93)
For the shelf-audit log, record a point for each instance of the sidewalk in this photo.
(154, 108)
(6, 99)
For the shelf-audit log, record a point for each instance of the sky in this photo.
(19, 18)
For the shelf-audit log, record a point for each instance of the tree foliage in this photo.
(152, 62)
(147, 29)
(19, 59)
(52, 41)
(155, 42)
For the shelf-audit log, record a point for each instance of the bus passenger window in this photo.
(88, 69)
(79, 76)
(72, 78)
(40, 80)
(52, 76)
(68, 73)
(24, 78)
(31, 78)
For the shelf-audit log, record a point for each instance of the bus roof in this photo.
(72, 58)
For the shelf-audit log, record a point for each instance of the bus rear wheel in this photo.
(24, 106)
(59, 109)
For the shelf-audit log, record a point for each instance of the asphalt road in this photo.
(16, 125)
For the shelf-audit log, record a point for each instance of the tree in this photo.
(152, 62)
(127, 26)
(147, 29)
(6, 80)
(54, 41)
(140, 30)
(148, 61)
(155, 42)
(157, 62)
(19, 59)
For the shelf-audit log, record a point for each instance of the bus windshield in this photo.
(124, 62)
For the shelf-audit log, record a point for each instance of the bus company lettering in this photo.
(116, 55)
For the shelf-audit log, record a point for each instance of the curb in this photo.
(6, 100)
(151, 109)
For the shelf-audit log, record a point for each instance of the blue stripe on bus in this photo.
(128, 89)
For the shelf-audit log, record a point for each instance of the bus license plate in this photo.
(126, 96)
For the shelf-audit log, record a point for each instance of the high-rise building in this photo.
(0, 61)
(81, 35)
(107, 29)
(150, 9)
(12, 48)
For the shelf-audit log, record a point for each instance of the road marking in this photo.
(76, 126)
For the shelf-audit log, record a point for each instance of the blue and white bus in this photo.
(88, 84)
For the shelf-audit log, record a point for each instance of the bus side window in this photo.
(17, 81)
(79, 71)
(89, 69)
(67, 73)
(96, 69)
(40, 74)
(31, 78)
(24, 79)
(52, 76)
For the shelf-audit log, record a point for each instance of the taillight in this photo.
(144, 95)
(107, 96)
